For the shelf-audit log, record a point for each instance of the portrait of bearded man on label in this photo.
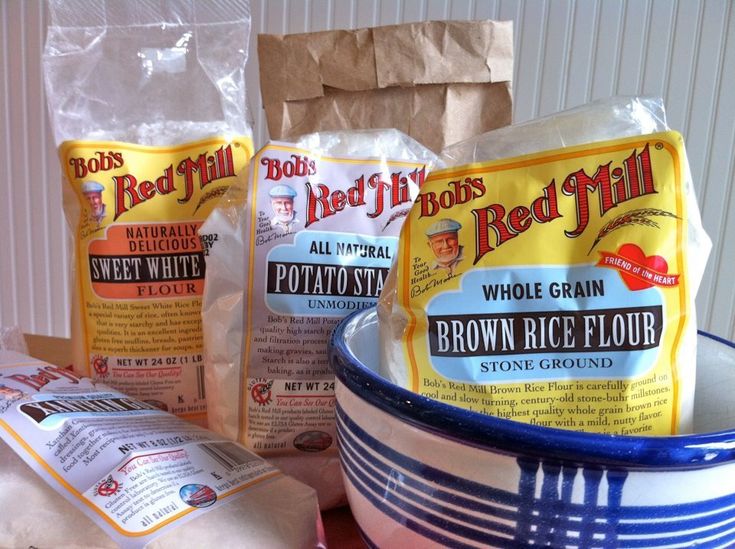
(92, 191)
(443, 239)
(8, 395)
(282, 202)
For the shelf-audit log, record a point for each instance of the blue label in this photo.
(544, 323)
(327, 273)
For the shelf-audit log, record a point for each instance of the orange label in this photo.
(140, 261)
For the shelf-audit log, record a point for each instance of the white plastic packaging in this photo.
(11, 339)
(550, 293)
(148, 108)
(269, 304)
(95, 468)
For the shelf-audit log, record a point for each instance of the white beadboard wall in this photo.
(567, 52)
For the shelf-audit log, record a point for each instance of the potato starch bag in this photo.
(147, 101)
(311, 241)
(549, 275)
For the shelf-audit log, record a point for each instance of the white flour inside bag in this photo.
(149, 113)
(549, 274)
(309, 241)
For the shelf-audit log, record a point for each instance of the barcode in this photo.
(200, 381)
(228, 454)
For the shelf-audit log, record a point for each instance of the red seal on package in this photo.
(108, 487)
(260, 391)
(99, 363)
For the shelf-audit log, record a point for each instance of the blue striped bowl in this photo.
(421, 473)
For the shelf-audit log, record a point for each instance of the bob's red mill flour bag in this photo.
(549, 275)
(147, 101)
(311, 241)
(95, 468)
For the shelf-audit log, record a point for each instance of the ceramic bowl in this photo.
(421, 473)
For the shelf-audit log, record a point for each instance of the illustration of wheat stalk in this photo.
(211, 195)
(633, 217)
(396, 215)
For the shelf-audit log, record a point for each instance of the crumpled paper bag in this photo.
(439, 81)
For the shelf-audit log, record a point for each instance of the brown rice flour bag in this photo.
(148, 108)
(311, 241)
(549, 275)
(96, 468)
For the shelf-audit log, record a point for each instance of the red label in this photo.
(638, 270)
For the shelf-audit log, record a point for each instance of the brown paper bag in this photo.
(438, 81)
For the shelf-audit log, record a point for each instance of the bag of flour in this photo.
(549, 275)
(148, 108)
(310, 240)
(437, 81)
(96, 468)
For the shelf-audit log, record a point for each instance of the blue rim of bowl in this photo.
(508, 436)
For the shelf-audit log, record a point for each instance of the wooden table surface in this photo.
(341, 530)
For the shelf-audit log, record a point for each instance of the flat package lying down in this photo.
(135, 476)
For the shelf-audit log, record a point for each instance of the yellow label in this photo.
(140, 261)
(551, 288)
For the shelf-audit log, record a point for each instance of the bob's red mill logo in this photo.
(496, 224)
(188, 174)
(377, 192)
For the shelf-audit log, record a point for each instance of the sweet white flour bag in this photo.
(148, 108)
